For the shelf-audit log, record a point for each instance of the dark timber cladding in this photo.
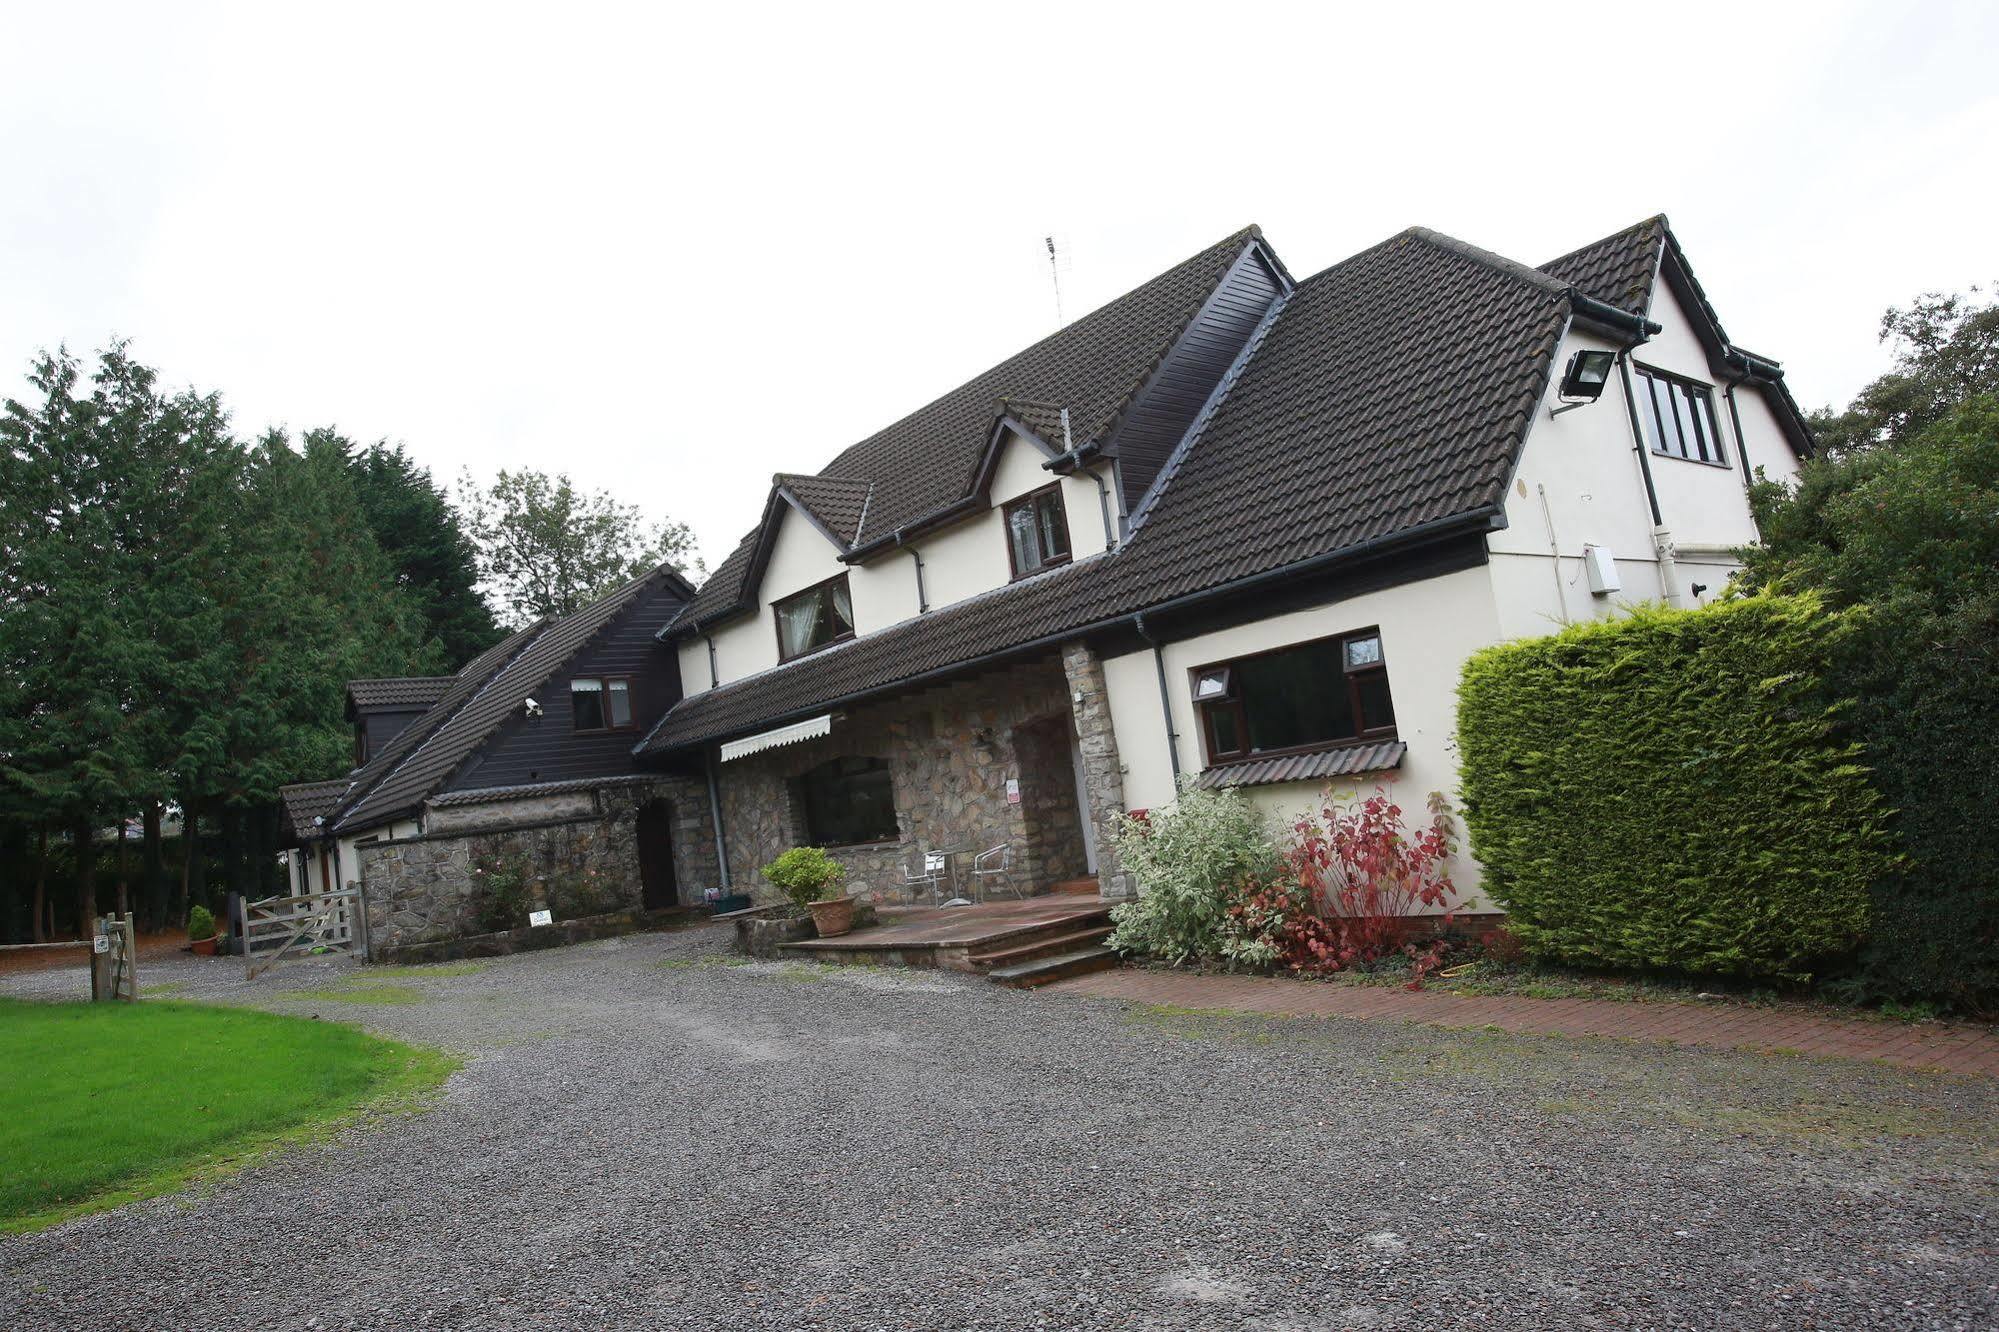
(1159, 415)
(526, 750)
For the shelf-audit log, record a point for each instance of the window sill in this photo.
(1045, 566)
(1698, 462)
(814, 651)
(859, 846)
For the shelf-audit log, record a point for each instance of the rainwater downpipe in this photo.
(1103, 491)
(922, 597)
(714, 677)
(715, 816)
(1661, 543)
(1165, 696)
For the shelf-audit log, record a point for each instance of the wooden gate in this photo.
(314, 923)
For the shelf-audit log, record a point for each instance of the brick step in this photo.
(1077, 886)
(1041, 971)
(1028, 950)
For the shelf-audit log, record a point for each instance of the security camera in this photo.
(533, 708)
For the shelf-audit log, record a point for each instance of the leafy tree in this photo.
(416, 527)
(546, 548)
(178, 614)
(1946, 352)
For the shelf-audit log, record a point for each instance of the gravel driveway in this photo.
(648, 1134)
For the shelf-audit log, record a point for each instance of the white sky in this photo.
(674, 254)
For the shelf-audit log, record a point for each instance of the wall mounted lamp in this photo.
(1583, 382)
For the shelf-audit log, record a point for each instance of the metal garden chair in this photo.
(995, 863)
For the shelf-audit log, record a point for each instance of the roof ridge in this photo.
(1498, 262)
(1241, 237)
(1658, 219)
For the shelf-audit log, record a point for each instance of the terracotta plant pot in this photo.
(834, 917)
(203, 947)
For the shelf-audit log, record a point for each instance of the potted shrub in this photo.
(811, 879)
(201, 931)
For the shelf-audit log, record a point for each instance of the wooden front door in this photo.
(655, 834)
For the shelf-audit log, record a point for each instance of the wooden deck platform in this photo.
(965, 938)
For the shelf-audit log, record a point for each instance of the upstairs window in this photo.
(1677, 416)
(848, 802)
(815, 618)
(1302, 697)
(1037, 531)
(601, 703)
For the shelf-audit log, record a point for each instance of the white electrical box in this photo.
(1602, 568)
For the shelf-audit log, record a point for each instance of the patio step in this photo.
(1061, 966)
(1079, 887)
(1028, 950)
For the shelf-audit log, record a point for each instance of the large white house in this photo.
(1234, 527)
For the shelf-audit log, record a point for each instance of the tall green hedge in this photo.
(1667, 790)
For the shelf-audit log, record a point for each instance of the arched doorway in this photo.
(655, 836)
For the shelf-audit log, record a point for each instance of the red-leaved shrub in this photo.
(1354, 885)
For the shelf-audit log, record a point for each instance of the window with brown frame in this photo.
(1305, 696)
(601, 703)
(1037, 531)
(818, 617)
(1677, 416)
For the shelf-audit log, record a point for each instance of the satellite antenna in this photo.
(1055, 276)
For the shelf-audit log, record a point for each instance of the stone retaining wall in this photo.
(579, 851)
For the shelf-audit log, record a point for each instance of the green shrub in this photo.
(1189, 859)
(200, 923)
(1909, 534)
(1668, 790)
(806, 875)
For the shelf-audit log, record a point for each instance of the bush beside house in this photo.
(1669, 790)
(1907, 535)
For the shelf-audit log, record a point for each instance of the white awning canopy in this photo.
(783, 735)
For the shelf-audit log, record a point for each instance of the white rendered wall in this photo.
(1427, 630)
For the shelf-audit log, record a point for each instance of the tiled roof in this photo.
(1390, 396)
(403, 691)
(466, 717)
(480, 795)
(1345, 761)
(930, 458)
(307, 801)
(1618, 270)
(840, 503)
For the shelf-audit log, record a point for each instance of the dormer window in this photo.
(818, 617)
(1037, 531)
(602, 703)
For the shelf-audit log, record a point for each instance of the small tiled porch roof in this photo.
(1317, 766)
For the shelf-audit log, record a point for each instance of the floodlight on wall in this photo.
(1584, 381)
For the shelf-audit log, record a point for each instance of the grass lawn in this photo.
(106, 1103)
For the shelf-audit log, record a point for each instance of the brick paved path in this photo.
(1953, 1048)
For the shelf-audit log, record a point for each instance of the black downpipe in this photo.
(1735, 422)
(1638, 437)
(922, 597)
(1165, 696)
(714, 676)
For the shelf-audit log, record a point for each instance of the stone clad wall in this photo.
(581, 847)
(1103, 771)
(950, 750)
